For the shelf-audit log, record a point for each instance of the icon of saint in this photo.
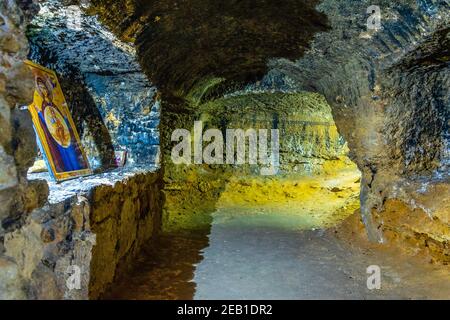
(60, 138)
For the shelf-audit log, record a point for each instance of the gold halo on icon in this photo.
(57, 126)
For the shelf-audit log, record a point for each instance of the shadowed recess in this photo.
(181, 43)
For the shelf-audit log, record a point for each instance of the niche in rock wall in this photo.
(114, 107)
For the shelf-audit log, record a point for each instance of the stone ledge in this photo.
(84, 185)
(98, 223)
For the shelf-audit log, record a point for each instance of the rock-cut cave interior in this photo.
(239, 149)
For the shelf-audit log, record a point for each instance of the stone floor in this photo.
(256, 252)
(245, 260)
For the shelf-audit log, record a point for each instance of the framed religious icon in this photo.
(57, 135)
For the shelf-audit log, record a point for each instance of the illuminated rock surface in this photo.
(374, 81)
(273, 245)
(342, 95)
(112, 101)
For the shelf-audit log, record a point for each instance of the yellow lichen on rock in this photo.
(321, 201)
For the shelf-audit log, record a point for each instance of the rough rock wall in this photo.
(124, 218)
(96, 235)
(308, 136)
(181, 44)
(41, 242)
(53, 240)
(18, 197)
(389, 90)
(309, 145)
(114, 105)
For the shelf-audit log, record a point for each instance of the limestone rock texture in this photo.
(388, 87)
(16, 87)
(389, 91)
(308, 137)
(63, 241)
(11, 285)
(52, 241)
(94, 235)
(124, 218)
(182, 44)
(310, 145)
(18, 197)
